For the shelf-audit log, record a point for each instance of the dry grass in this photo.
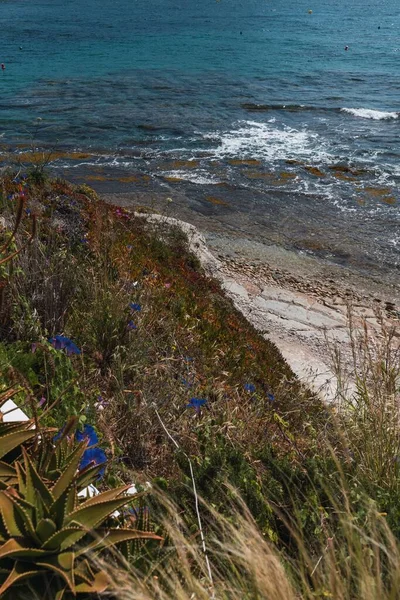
(356, 563)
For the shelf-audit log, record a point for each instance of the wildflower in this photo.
(132, 325)
(60, 342)
(135, 307)
(93, 456)
(271, 397)
(129, 246)
(167, 285)
(28, 211)
(250, 387)
(196, 403)
(34, 348)
(101, 403)
(88, 434)
(42, 401)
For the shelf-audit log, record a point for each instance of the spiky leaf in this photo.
(64, 505)
(45, 529)
(14, 439)
(34, 484)
(8, 515)
(106, 538)
(63, 565)
(98, 585)
(7, 470)
(64, 539)
(20, 549)
(69, 472)
(20, 571)
(95, 510)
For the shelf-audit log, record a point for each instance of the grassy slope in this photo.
(87, 264)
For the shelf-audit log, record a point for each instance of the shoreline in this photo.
(231, 238)
(306, 318)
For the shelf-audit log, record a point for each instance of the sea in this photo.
(277, 119)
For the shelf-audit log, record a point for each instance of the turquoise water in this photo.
(142, 84)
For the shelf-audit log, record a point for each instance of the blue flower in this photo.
(196, 403)
(271, 397)
(132, 325)
(88, 434)
(250, 387)
(93, 456)
(60, 342)
(129, 246)
(135, 306)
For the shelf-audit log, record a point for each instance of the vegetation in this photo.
(110, 321)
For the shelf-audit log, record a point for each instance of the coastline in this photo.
(292, 302)
(232, 235)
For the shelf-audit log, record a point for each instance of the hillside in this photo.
(106, 316)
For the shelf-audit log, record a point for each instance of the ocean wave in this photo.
(199, 176)
(264, 141)
(369, 113)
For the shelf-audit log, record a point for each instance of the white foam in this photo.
(264, 141)
(369, 113)
(199, 176)
(395, 241)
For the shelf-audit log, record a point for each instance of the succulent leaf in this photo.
(19, 549)
(34, 485)
(87, 475)
(65, 538)
(99, 584)
(108, 495)
(63, 565)
(25, 520)
(107, 538)
(8, 515)
(20, 571)
(45, 529)
(69, 472)
(91, 516)
(12, 440)
(64, 505)
(7, 470)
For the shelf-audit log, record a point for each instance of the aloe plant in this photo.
(48, 537)
(12, 436)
